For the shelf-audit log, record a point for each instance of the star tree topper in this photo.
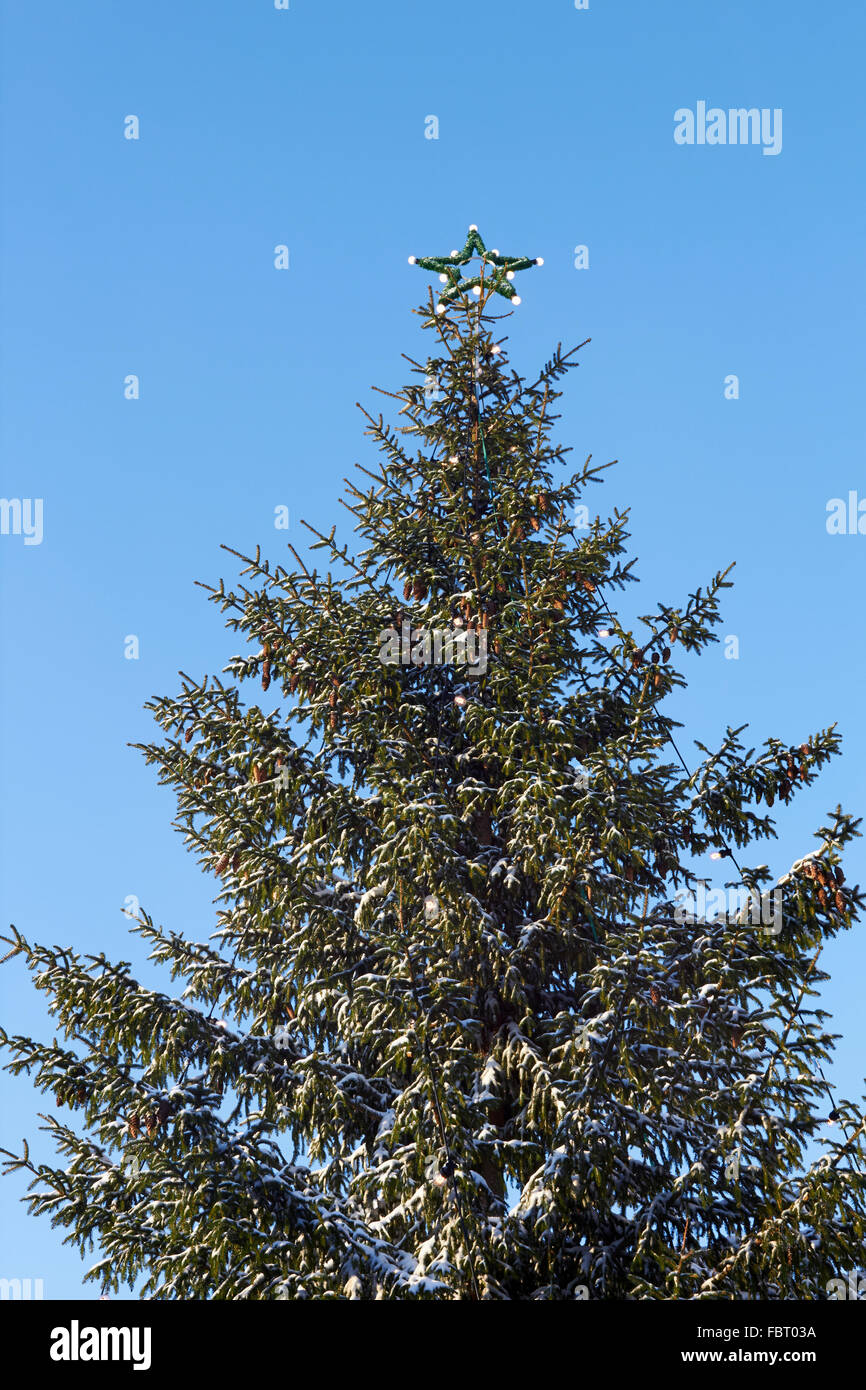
(449, 270)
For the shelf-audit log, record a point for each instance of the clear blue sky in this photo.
(306, 127)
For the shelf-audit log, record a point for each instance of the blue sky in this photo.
(306, 127)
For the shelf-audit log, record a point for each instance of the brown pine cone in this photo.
(134, 1126)
(656, 995)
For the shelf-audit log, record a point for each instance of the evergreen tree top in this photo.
(480, 1034)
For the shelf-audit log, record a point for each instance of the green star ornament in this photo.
(448, 268)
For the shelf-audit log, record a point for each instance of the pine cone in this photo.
(266, 673)
(151, 1125)
(134, 1126)
(222, 864)
(419, 589)
(187, 736)
(163, 1110)
(407, 589)
(656, 995)
(258, 774)
(840, 902)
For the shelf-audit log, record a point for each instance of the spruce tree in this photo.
(466, 1027)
